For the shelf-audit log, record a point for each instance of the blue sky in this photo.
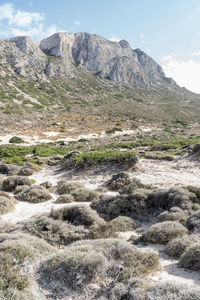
(169, 31)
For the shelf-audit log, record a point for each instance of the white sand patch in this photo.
(51, 133)
(24, 210)
(53, 175)
(34, 140)
(170, 271)
(167, 174)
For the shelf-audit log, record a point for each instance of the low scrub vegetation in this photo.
(15, 252)
(10, 183)
(7, 204)
(35, 194)
(193, 222)
(16, 140)
(161, 233)
(65, 199)
(190, 259)
(176, 247)
(87, 159)
(93, 261)
(174, 214)
(123, 224)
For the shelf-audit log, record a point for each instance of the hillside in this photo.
(52, 83)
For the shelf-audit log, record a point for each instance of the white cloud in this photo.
(6, 11)
(141, 35)
(17, 22)
(197, 53)
(23, 18)
(115, 39)
(77, 23)
(186, 72)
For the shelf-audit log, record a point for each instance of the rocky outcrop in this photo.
(62, 54)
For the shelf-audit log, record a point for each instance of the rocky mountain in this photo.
(68, 78)
(60, 54)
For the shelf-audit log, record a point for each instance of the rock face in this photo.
(62, 54)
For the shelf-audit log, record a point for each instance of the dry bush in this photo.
(7, 204)
(190, 259)
(14, 294)
(174, 214)
(177, 246)
(193, 222)
(78, 215)
(65, 199)
(35, 194)
(123, 224)
(10, 183)
(46, 184)
(55, 231)
(118, 181)
(16, 250)
(134, 205)
(34, 246)
(163, 232)
(84, 195)
(20, 189)
(65, 187)
(94, 261)
(170, 291)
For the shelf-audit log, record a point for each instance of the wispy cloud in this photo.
(17, 22)
(197, 53)
(77, 23)
(141, 36)
(186, 72)
(115, 39)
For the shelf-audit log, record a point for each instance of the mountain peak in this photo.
(116, 61)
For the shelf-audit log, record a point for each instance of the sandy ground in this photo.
(158, 173)
(165, 174)
(53, 136)
(170, 271)
(25, 210)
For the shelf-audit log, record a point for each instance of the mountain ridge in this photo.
(115, 61)
(38, 89)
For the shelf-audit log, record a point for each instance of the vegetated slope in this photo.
(38, 85)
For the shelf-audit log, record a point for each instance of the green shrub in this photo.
(161, 233)
(110, 131)
(87, 159)
(16, 140)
